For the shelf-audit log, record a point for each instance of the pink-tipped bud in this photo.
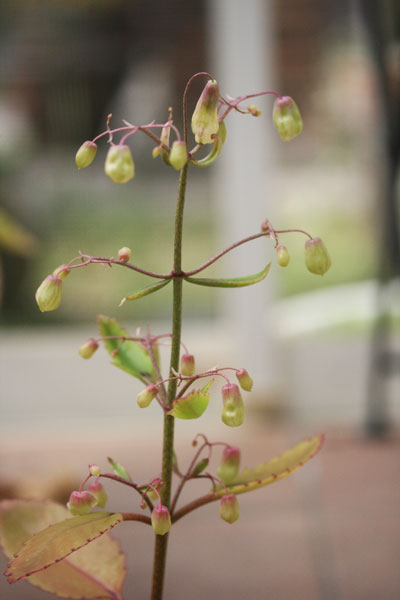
(81, 503)
(62, 272)
(88, 349)
(124, 254)
(244, 379)
(165, 133)
(317, 257)
(99, 493)
(94, 470)
(119, 166)
(187, 365)
(161, 520)
(229, 465)
(85, 155)
(205, 117)
(178, 156)
(266, 226)
(146, 396)
(48, 294)
(286, 117)
(143, 505)
(254, 110)
(156, 151)
(282, 256)
(229, 508)
(233, 407)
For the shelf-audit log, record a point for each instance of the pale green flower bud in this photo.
(48, 294)
(244, 379)
(124, 254)
(81, 503)
(85, 155)
(146, 396)
(233, 407)
(88, 348)
(62, 271)
(119, 164)
(286, 117)
(229, 465)
(254, 110)
(187, 365)
(178, 156)
(94, 470)
(317, 257)
(99, 493)
(205, 117)
(282, 256)
(229, 508)
(161, 520)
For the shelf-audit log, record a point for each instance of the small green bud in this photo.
(244, 379)
(81, 503)
(62, 271)
(178, 156)
(88, 348)
(199, 468)
(229, 465)
(156, 151)
(124, 254)
(187, 365)
(317, 257)
(146, 396)
(94, 470)
(254, 110)
(286, 117)
(161, 520)
(119, 164)
(233, 407)
(99, 493)
(48, 294)
(85, 155)
(229, 508)
(282, 256)
(205, 117)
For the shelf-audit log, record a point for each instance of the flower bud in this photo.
(161, 520)
(156, 151)
(282, 256)
(178, 156)
(124, 254)
(266, 226)
(205, 117)
(119, 164)
(62, 271)
(317, 257)
(88, 348)
(146, 396)
(187, 365)
(80, 503)
(254, 110)
(99, 493)
(229, 508)
(165, 133)
(233, 407)
(229, 465)
(48, 294)
(244, 379)
(85, 155)
(94, 470)
(286, 117)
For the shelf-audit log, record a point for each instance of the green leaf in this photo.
(234, 282)
(193, 405)
(132, 357)
(146, 291)
(119, 469)
(95, 571)
(199, 468)
(275, 469)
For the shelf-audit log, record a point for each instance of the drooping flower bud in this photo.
(81, 503)
(146, 396)
(254, 110)
(178, 156)
(317, 257)
(94, 470)
(124, 254)
(286, 117)
(119, 164)
(161, 520)
(229, 508)
(88, 348)
(244, 379)
(48, 294)
(229, 465)
(233, 407)
(282, 256)
(187, 365)
(85, 155)
(62, 271)
(99, 493)
(165, 133)
(205, 117)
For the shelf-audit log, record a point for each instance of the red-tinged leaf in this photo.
(275, 469)
(193, 405)
(45, 549)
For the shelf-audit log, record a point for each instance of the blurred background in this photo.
(324, 352)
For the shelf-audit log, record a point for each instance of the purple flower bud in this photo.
(85, 155)
(233, 407)
(119, 164)
(81, 503)
(161, 520)
(317, 257)
(229, 508)
(88, 348)
(244, 379)
(283, 256)
(187, 365)
(124, 254)
(48, 294)
(178, 156)
(146, 396)
(229, 465)
(205, 117)
(286, 117)
(99, 493)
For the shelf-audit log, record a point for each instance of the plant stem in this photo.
(161, 542)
